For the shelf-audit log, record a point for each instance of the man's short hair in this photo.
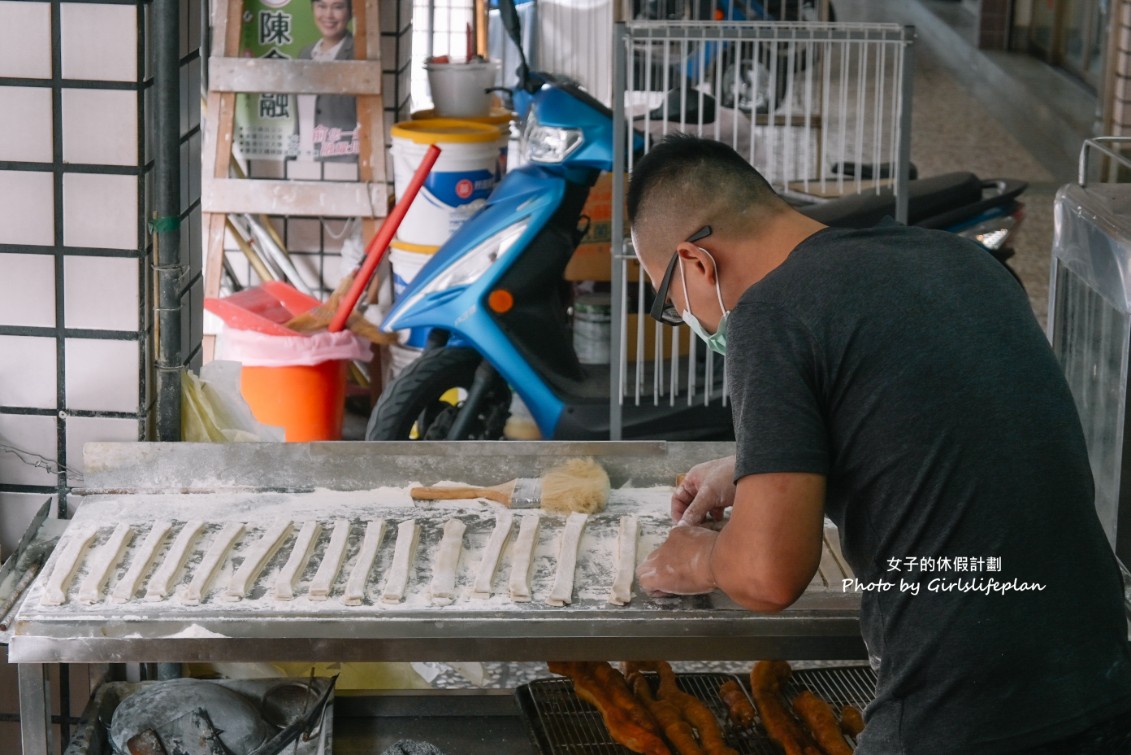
(684, 171)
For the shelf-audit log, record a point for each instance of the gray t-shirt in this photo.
(907, 367)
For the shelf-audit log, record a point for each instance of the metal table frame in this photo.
(696, 628)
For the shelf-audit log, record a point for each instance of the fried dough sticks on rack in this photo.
(678, 731)
(822, 723)
(851, 721)
(766, 679)
(610, 699)
(739, 709)
(694, 712)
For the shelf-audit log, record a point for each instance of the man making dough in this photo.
(895, 380)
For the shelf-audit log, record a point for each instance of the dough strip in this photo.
(300, 554)
(127, 585)
(521, 557)
(490, 563)
(331, 564)
(443, 586)
(621, 593)
(562, 593)
(215, 556)
(107, 556)
(255, 558)
(55, 593)
(407, 535)
(160, 584)
(359, 576)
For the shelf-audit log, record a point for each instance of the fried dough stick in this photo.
(851, 721)
(678, 731)
(739, 709)
(694, 712)
(766, 679)
(614, 682)
(617, 721)
(822, 723)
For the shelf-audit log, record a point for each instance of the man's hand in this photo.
(707, 489)
(681, 565)
(765, 556)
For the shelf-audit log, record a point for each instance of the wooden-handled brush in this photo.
(575, 485)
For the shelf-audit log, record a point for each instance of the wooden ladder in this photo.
(229, 74)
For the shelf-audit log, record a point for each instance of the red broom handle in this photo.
(380, 242)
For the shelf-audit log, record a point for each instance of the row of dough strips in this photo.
(163, 573)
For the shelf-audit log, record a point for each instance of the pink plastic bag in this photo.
(254, 349)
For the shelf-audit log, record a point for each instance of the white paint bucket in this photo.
(500, 118)
(405, 262)
(592, 328)
(400, 357)
(460, 90)
(460, 181)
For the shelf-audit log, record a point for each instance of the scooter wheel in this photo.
(424, 400)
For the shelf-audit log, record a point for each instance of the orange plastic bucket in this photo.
(306, 401)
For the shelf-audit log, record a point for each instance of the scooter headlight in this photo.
(548, 144)
(472, 266)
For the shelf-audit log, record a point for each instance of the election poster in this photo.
(287, 126)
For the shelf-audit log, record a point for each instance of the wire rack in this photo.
(561, 724)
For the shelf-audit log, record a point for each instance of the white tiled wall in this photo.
(101, 293)
(27, 372)
(25, 39)
(27, 212)
(35, 436)
(102, 375)
(100, 211)
(100, 126)
(27, 291)
(99, 42)
(74, 300)
(25, 124)
(74, 256)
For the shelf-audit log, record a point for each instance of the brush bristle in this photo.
(580, 485)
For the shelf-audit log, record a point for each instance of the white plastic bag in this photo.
(214, 411)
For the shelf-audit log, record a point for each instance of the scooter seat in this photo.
(928, 197)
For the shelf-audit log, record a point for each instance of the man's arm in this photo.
(764, 557)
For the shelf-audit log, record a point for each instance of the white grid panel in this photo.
(799, 100)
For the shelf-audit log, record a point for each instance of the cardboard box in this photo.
(592, 259)
(599, 208)
(593, 262)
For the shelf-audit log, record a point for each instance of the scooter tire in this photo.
(414, 400)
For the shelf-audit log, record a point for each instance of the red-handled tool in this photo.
(380, 243)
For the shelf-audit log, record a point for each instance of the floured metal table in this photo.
(157, 565)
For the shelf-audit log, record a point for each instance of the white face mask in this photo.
(716, 341)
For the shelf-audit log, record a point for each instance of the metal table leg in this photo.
(35, 709)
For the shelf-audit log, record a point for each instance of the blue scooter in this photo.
(495, 301)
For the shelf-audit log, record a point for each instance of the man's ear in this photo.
(693, 256)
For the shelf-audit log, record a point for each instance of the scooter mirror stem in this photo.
(509, 15)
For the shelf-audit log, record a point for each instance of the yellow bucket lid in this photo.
(444, 131)
(406, 246)
(498, 116)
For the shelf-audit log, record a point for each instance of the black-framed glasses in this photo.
(662, 309)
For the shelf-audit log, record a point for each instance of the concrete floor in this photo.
(995, 114)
